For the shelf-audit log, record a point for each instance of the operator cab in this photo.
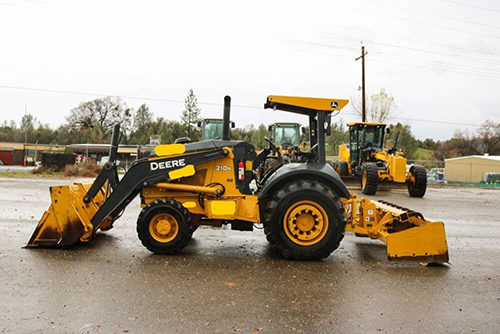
(212, 128)
(285, 135)
(365, 138)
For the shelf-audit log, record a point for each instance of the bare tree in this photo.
(379, 108)
(100, 114)
(489, 137)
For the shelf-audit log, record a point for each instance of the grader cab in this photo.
(305, 207)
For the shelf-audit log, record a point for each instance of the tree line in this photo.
(92, 122)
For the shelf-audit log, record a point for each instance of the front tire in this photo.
(343, 169)
(417, 183)
(165, 226)
(369, 179)
(304, 220)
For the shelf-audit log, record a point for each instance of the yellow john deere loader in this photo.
(366, 159)
(305, 207)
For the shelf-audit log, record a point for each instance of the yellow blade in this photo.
(426, 243)
(67, 220)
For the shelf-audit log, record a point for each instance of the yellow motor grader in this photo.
(365, 158)
(305, 208)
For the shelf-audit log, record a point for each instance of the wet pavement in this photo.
(229, 281)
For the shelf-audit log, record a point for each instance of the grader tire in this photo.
(164, 226)
(304, 220)
(335, 165)
(343, 168)
(418, 188)
(369, 179)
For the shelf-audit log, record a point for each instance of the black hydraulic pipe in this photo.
(313, 135)
(321, 137)
(227, 114)
(114, 143)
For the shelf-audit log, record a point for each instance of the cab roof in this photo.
(366, 123)
(284, 123)
(304, 105)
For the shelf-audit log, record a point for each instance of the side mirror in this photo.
(198, 124)
(303, 130)
(233, 125)
(270, 128)
(387, 130)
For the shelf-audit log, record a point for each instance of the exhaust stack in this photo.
(227, 115)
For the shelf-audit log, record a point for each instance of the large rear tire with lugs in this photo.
(417, 183)
(164, 226)
(304, 220)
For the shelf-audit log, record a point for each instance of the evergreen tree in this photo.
(143, 120)
(191, 112)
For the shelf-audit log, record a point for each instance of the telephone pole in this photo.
(363, 104)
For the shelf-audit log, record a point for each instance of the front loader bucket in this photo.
(67, 220)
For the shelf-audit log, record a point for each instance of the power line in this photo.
(421, 22)
(353, 39)
(458, 68)
(146, 98)
(421, 120)
(202, 103)
(472, 6)
(474, 69)
(413, 49)
(435, 69)
(438, 16)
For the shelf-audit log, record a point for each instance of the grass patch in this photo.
(90, 169)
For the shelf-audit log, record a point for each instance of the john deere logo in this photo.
(334, 104)
(167, 164)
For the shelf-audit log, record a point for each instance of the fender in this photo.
(293, 171)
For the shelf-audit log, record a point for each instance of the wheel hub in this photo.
(306, 223)
(163, 227)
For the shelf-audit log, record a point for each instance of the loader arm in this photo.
(79, 210)
(147, 172)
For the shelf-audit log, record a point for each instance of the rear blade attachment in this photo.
(407, 234)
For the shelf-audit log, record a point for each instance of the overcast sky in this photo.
(440, 59)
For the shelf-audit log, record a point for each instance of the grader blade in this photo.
(425, 243)
(67, 220)
(407, 234)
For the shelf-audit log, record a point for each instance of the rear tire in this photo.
(369, 179)
(304, 220)
(417, 187)
(165, 226)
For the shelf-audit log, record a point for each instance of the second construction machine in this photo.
(305, 207)
(365, 158)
